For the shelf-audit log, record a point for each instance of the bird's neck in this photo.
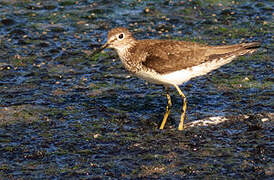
(126, 55)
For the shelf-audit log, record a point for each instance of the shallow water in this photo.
(66, 114)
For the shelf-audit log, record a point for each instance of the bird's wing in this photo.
(168, 56)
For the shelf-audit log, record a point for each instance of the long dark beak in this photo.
(99, 49)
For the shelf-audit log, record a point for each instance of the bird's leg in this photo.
(168, 107)
(181, 124)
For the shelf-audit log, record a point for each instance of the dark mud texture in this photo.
(64, 114)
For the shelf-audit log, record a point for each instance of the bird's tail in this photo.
(233, 50)
(250, 47)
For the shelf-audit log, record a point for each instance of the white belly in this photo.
(182, 76)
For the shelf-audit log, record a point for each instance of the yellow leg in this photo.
(181, 124)
(168, 107)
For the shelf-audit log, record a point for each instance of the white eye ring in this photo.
(120, 36)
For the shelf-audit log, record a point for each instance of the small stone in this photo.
(96, 135)
(147, 10)
(8, 22)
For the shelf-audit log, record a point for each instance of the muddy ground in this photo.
(65, 114)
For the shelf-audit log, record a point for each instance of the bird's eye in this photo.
(121, 36)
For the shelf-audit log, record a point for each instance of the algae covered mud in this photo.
(64, 114)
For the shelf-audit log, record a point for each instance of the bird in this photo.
(171, 63)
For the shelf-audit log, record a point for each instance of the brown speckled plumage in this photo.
(165, 56)
(170, 62)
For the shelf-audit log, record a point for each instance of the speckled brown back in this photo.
(168, 56)
(165, 56)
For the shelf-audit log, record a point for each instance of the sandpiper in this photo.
(170, 62)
